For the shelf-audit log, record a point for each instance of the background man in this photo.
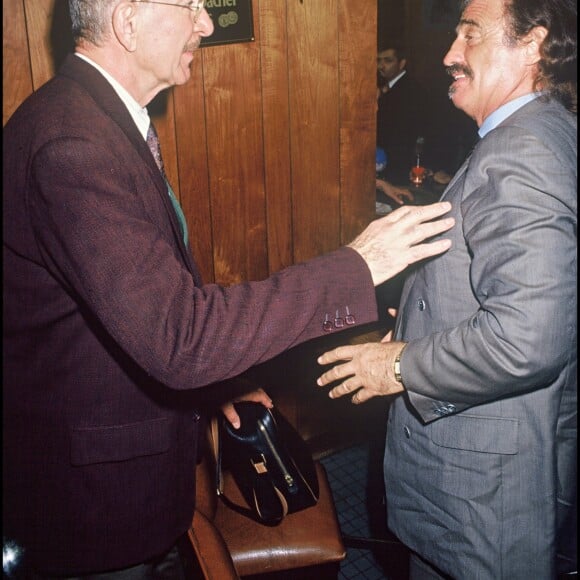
(400, 115)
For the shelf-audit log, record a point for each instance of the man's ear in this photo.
(125, 21)
(533, 42)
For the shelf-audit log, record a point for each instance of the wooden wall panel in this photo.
(235, 155)
(16, 71)
(191, 143)
(276, 115)
(39, 18)
(314, 126)
(357, 117)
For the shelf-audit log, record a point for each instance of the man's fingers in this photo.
(362, 396)
(419, 213)
(336, 373)
(256, 396)
(428, 230)
(428, 212)
(423, 251)
(388, 337)
(345, 388)
(418, 227)
(231, 415)
(335, 355)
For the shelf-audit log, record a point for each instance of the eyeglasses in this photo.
(196, 6)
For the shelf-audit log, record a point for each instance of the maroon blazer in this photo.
(108, 331)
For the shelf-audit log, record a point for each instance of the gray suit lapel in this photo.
(456, 182)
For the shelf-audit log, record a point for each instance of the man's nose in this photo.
(204, 25)
(454, 54)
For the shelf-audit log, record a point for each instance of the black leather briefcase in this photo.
(270, 462)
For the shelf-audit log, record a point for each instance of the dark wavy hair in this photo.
(557, 67)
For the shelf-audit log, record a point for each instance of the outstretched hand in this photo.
(366, 370)
(257, 396)
(390, 244)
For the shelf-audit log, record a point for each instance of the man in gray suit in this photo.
(480, 459)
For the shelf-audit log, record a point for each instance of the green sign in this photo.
(232, 20)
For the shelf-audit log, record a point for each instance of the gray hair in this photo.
(90, 19)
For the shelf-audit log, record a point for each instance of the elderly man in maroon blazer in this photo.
(108, 328)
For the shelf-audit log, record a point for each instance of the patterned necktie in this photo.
(153, 143)
(154, 147)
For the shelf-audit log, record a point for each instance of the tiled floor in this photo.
(355, 476)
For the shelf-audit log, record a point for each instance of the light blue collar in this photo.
(504, 112)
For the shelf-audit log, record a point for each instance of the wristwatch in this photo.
(397, 366)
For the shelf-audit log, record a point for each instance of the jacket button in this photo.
(421, 304)
(407, 432)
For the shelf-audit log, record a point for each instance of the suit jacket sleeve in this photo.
(97, 229)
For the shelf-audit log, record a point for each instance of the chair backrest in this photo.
(210, 549)
(208, 544)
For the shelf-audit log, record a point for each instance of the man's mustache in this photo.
(192, 46)
(455, 69)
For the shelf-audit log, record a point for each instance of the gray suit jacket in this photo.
(480, 455)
